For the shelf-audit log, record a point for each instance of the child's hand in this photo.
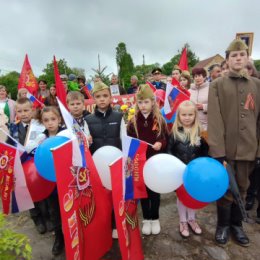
(157, 146)
(89, 139)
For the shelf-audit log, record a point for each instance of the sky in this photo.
(79, 30)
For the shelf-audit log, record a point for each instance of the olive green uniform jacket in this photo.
(233, 117)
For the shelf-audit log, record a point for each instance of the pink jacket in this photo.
(199, 95)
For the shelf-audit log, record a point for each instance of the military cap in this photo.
(144, 92)
(98, 86)
(237, 45)
(156, 71)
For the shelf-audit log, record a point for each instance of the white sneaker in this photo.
(147, 228)
(114, 234)
(156, 227)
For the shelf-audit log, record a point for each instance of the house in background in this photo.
(217, 59)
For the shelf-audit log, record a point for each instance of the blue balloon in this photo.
(43, 157)
(168, 121)
(205, 179)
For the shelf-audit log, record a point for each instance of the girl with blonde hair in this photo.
(186, 143)
(148, 125)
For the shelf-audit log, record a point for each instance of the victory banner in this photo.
(85, 205)
(27, 79)
(7, 157)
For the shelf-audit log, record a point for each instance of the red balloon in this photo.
(188, 201)
(38, 187)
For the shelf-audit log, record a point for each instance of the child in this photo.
(148, 125)
(186, 144)
(75, 102)
(18, 131)
(51, 119)
(105, 125)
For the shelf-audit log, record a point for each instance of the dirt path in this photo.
(166, 246)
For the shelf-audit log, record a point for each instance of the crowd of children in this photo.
(230, 112)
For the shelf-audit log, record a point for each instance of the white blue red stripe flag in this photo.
(34, 100)
(134, 157)
(173, 97)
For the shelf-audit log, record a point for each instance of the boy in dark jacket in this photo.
(105, 125)
(18, 131)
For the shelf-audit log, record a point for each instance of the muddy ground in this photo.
(165, 246)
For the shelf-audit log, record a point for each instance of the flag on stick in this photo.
(126, 217)
(61, 93)
(134, 158)
(174, 96)
(27, 79)
(183, 63)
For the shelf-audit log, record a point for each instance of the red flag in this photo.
(126, 217)
(183, 63)
(7, 159)
(85, 206)
(61, 93)
(27, 79)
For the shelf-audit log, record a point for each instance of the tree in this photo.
(10, 80)
(192, 60)
(78, 71)
(100, 72)
(142, 71)
(124, 63)
(49, 72)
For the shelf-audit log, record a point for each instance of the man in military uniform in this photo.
(157, 72)
(233, 122)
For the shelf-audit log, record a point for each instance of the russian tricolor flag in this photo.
(134, 158)
(173, 97)
(34, 100)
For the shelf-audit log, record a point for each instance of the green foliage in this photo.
(10, 80)
(13, 246)
(192, 60)
(257, 64)
(142, 71)
(125, 64)
(63, 69)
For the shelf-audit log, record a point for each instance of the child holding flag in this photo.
(105, 125)
(148, 125)
(51, 119)
(186, 144)
(18, 130)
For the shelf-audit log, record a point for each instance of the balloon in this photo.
(38, 187)
(163, 173)
(205, 179)
(166, 119)
(43, 157)
(103, 157)
(188, 201)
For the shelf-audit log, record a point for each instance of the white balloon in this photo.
(163, 173)
(103, 157)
